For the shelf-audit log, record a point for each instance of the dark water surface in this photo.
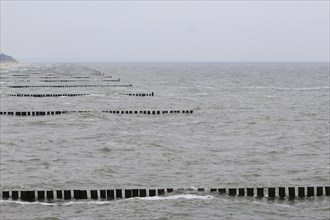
(254, 124)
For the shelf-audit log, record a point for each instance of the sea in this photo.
(253, 125)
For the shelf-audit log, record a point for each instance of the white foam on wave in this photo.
(97, 95)
(174, 197)
(28, 203)
(56, 203)
(273, 204)
(87, 202)
(69, 203)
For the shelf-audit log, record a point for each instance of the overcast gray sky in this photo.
(165, 31)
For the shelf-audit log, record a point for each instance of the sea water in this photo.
(253, 125)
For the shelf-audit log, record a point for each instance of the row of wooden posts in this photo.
(71, 95)
(45, 95)
(145, 112)
(273, 192)
(72, 77)
(63, 80)
(139, 94)
(63, 86)
(75, 80)
(54, 77)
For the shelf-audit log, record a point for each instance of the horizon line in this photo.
(167, 61)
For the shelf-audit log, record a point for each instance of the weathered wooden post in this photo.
(128, 193)
(5, 194)
(241, 192)
(14, 195)
(152, 192)
(222, 190)
(102, 194)
(260, 192)
(41, 195)
(135, 192)
(161, 192)
(24, 195)
(143, 192)
(119, 194)
(169, 190)
(319, 191)
(310, 191)
(50, 194)
(67, 194)
(301, 192)
(59, 194)
(281, 192)
(292, 193)
(76, 194)
(94, 194)
(271, 192)
(110, 194)
(232, 191)
(250, 191)
(31, 195)
(327, 190)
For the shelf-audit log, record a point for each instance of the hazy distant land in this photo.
(6, 58)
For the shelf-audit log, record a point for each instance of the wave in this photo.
(100, 202)
(204, 87)
(175, 197)
(291, 89)
(97, 95)
(302, 89)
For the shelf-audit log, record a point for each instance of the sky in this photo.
(165, 31)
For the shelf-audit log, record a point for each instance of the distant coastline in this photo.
(7, 59)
